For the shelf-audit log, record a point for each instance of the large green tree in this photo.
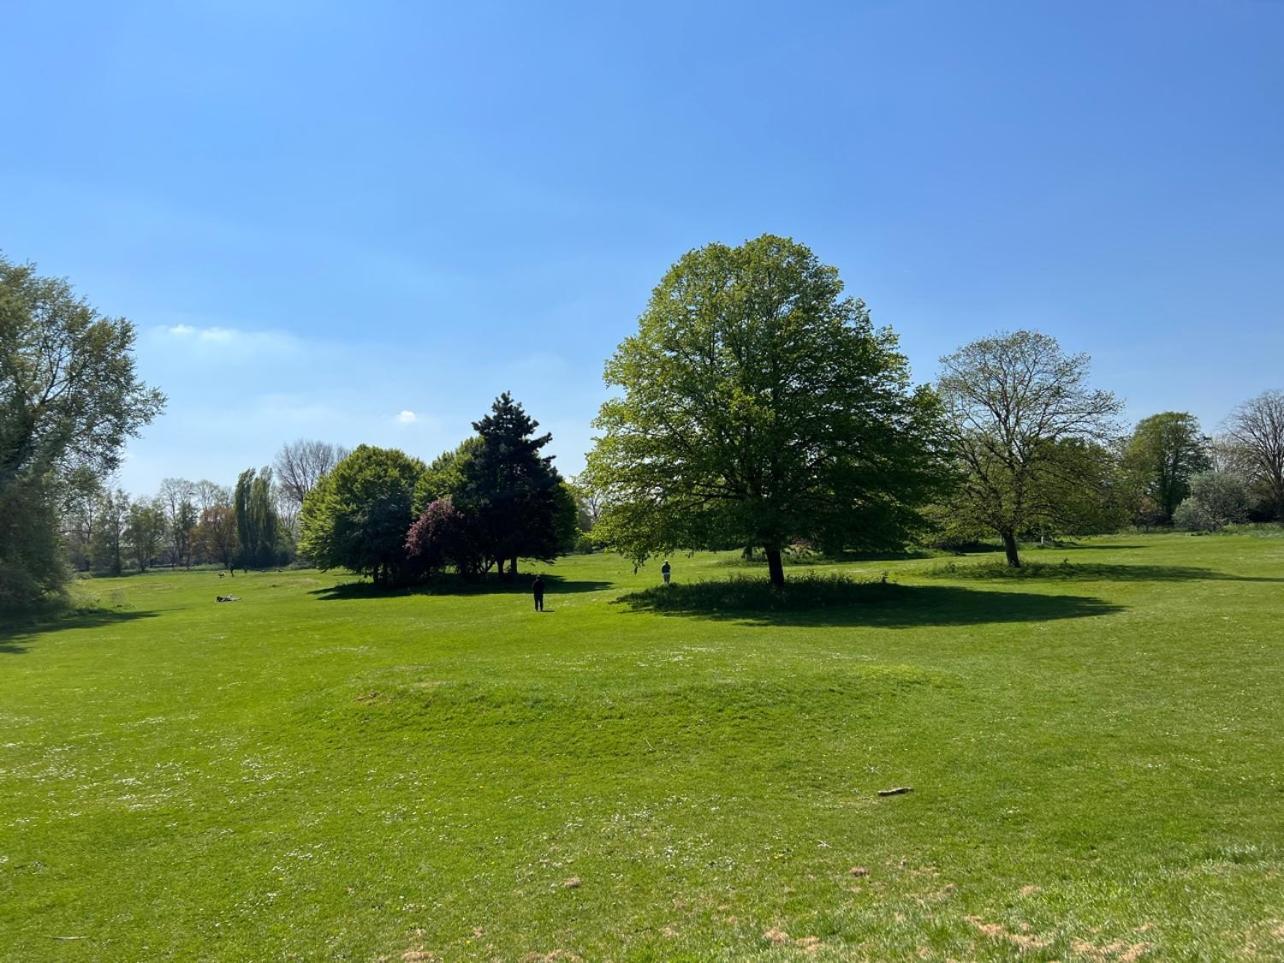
(69, 398)
(1162, 455)
(1013, 400)
(358, 515)
(760, 406)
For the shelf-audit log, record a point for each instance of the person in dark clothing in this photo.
(665, 571)
(537, 589)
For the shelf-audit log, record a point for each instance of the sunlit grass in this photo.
(1096, 756)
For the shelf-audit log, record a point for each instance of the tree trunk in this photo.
(775, 567)
(1010, 549)
(500, 569)
(512, 566)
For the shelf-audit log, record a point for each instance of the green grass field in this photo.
(1096, 752)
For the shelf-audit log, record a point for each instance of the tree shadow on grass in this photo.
(840, 558)
(453, 585)
(840, 602)
(16, 639)
(1080, 547)
(1067, 571)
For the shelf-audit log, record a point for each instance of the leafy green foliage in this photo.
(1217, 499)
(258, 527)
(760, 406)
(32, 567)
(1161, 456)
(69, 398)
(357, 516)
(444, 476)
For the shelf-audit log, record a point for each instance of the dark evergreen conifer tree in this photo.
(512, 488)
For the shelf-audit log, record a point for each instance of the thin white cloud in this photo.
(219, 335)
(407, 417)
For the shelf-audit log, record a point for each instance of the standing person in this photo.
(665, 571)
(537, 589)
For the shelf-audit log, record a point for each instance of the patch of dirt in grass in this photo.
(997, 931)
(809, 944)
(1120, 951)
(939, 896)
(554, 956)
(1117, 951)
(1028, 891)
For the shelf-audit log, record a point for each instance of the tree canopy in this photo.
(69, 398)
(760, 406)
(257, 524)
(1011, 400)
(1163, 453)
(357, 516)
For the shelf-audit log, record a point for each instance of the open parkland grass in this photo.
(1096, 752)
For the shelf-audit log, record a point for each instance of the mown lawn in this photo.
(1096, 753)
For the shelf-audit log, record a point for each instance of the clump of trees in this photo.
(491, 500)
(758, 409)
(248, 525)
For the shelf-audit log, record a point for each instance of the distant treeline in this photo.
(757, 407)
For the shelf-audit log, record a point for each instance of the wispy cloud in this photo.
(406, 417)
(218, 335)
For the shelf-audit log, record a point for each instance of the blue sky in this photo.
(361, 221)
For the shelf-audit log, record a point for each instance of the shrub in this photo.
(1192, 516)
(443, 535)
(1223, 496)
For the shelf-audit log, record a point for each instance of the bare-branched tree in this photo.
(1011, 399)
(1255, 433)
(299, 466)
